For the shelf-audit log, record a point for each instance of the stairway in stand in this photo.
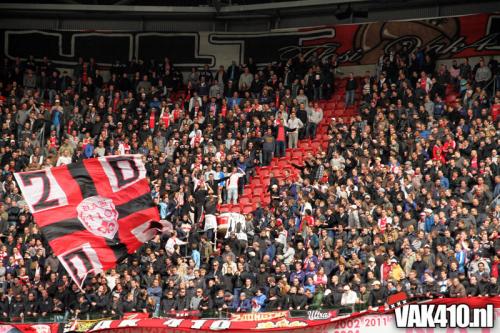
(256, 191)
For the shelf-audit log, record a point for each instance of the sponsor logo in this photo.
(41, 328)
(99, 216)
(281, 323)
(258, 316)
(318, 315)
(444, 315)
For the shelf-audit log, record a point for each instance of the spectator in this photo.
(315, 116)
(242, 304)
(457, 289)
(483, 74)
(378, 295)
(402, 197)
(350, 90)
(349, 297)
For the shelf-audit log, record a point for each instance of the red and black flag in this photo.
(93, 213)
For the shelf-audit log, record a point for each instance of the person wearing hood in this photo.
(241, 304)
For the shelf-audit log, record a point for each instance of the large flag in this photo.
(94, 212)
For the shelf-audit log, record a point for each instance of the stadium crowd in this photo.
(405, 198)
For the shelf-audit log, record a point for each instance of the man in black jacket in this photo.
(99, 301)
(302, 115)
(45, 305)
(82, 307)
(274, 301)
(182, 301)
(30, 306)
(168, 302)
(298, 300)
(378, 295)
(16, 309)
(128, 305)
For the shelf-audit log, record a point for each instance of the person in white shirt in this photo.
(337, 161)
(246, 79)
(64, 159)
(172, 242)
(315, 116)
(295, 124)
(193, 100)
(349, 297)
(232, 185)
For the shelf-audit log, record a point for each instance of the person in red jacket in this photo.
(307, 220)
(495, 109)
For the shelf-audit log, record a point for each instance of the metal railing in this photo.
(209, 314)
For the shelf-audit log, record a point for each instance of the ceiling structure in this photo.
(222, 15)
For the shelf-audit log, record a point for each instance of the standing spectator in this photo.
(315, 116)
(350, 90)
(294, 125)
(232, 185)
(483, 74)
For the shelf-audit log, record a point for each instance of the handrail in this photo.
(209, 314)
(492, 80)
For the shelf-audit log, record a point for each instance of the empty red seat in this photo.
(258, 191)
(244, 200)
(296, 154)
(257, 198)
(235, 209)
(247, 209)
(225, 208)
(256, 182)
(283, 164)
(264, 173)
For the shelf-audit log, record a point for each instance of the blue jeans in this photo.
(52, 95)
(318, 93)
(349, 97)
(280, 148)
(267, 156)
(57, 128)
(311, 130)
(232, 194)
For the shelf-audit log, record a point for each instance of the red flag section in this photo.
(94, 212)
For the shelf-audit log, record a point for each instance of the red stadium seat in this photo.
(244, 200)
(258, 191)
(247, 209)
(225, 208)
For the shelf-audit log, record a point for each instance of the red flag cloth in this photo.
(94, 212)
(29, 328)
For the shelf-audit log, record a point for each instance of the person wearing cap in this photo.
(241, 304)
(378, 295)
(396, 272)
(349, 297)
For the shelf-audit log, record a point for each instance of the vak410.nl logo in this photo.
(444, 316)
